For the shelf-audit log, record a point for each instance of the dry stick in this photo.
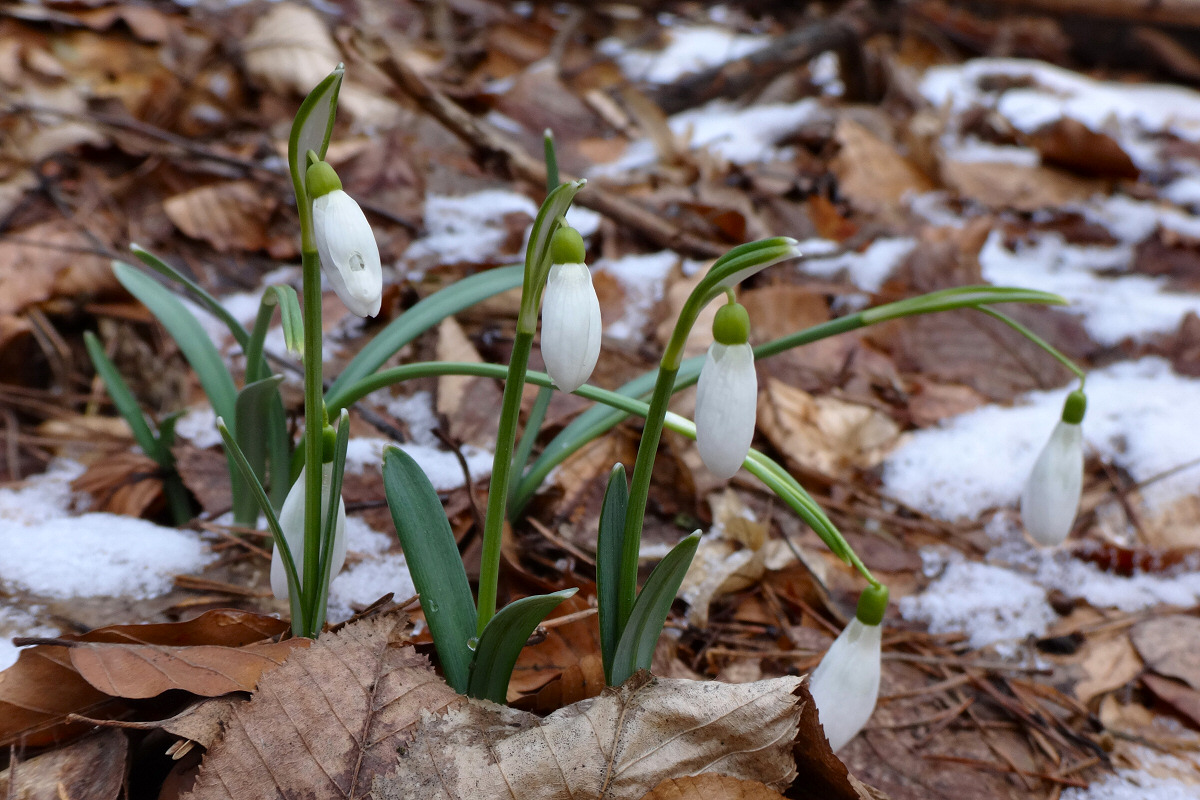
(988, 765)
(736, 78)
(499, 154)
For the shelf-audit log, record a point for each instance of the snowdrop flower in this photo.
(845, 685)
(291, 520)
(1051, 495)
(727, 394)
(345, 242)
(571, 324)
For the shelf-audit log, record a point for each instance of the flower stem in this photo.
(314, 423)
(1039, 341)
(502, 461)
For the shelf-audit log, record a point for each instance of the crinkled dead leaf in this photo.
(90, 769)
(1179, 696)
(39, 691)
(711, 787)
(328, 720)
(871, 172)
(619, 745)
(1108, 664)
(139, 671)
(824, 434)
(230, 216)
(1170, 646)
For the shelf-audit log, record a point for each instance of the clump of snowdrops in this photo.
(297, 488)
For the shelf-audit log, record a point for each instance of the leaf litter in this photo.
(1008, 170)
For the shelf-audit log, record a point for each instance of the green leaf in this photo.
(293, 320)
(254, 403)
(608, 564)
(418, 319)
(125, 402)
(433, 560)
(193, 342)
(312, 128)
(537, 252)
(636, 647)
(329, 524)
(202, 297)
(502, 641)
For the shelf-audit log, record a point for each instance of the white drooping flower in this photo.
(345, 243)
(1051, 495)
(727, 394)
(845, 685)
(571, 325)
(291, 520)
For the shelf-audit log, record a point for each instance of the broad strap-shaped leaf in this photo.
(125, 402)
(418, 319)
(434, 562)
(636, 646)
(193, 342)
(502, 640)
(608, 564)
(210, 303)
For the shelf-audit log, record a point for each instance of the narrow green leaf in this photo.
(433, 560)
(502, 641)
(202, 297)
(193, 342)
(254, 403)
(126, 404)
(636, 647)
(293, 320)
(537, 252)
(533, 426)
(418, 319)
(608, 564)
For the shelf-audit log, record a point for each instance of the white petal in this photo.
(291, 519)
(1051, 495)
(726, 400)
(571, 326)
(349, 254)
(845, 685)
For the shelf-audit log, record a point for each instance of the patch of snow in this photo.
(1133, 221)
(994, 606)
(1111, 308)
(417, 412)
(441, 466)
(1183, 191)
(1158, 776)
(825, 72)
(642, 278)
(866, 270)
(971, 149)
(199, 426)
(1141, 417)
(583, 220)
(468, 228)
(366, 582)
(934, 208)
(1135, 115)
(41, 498)
(739, 135)
(19, 622)
(689, 49)
(361, 538)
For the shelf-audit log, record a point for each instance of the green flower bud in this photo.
(1075, 407)
(566, 246)
(731, 325)
(871, 604)
(320, 180)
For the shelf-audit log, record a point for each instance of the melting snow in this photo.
(442, 467)
(689, 49)
(642, 278)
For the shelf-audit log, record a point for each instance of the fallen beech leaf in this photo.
(870, 172)
(90, 769)
(468, 403)
(1071, 144)
(824, 434)
(289, 49)
(726, 563)
(1171, 646)
(328, 720)
(711, 787)
(229, 216)
(618, 745)
(141, 671)
(1109, 664)
(1024, 188)
(43, 687)
(1182, 698)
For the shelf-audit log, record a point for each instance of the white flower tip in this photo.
(571, 326)
(1051, 496)
(845, 685)
(726, 406)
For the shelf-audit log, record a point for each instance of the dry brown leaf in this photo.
(871, 174)
(328, 720)
(619, 745)
(1016, 186)
(1071, 144)
(141, 671)
(1170, 646)
(566, 667)
(711, 787)
(229, 216)
(125, 483)
(54, 259)
(824, 434)
(1109, 664)
(90, 769)
(289, 49)
(468, 403)
(726, 563)
(43, 687)
(1182, 698)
